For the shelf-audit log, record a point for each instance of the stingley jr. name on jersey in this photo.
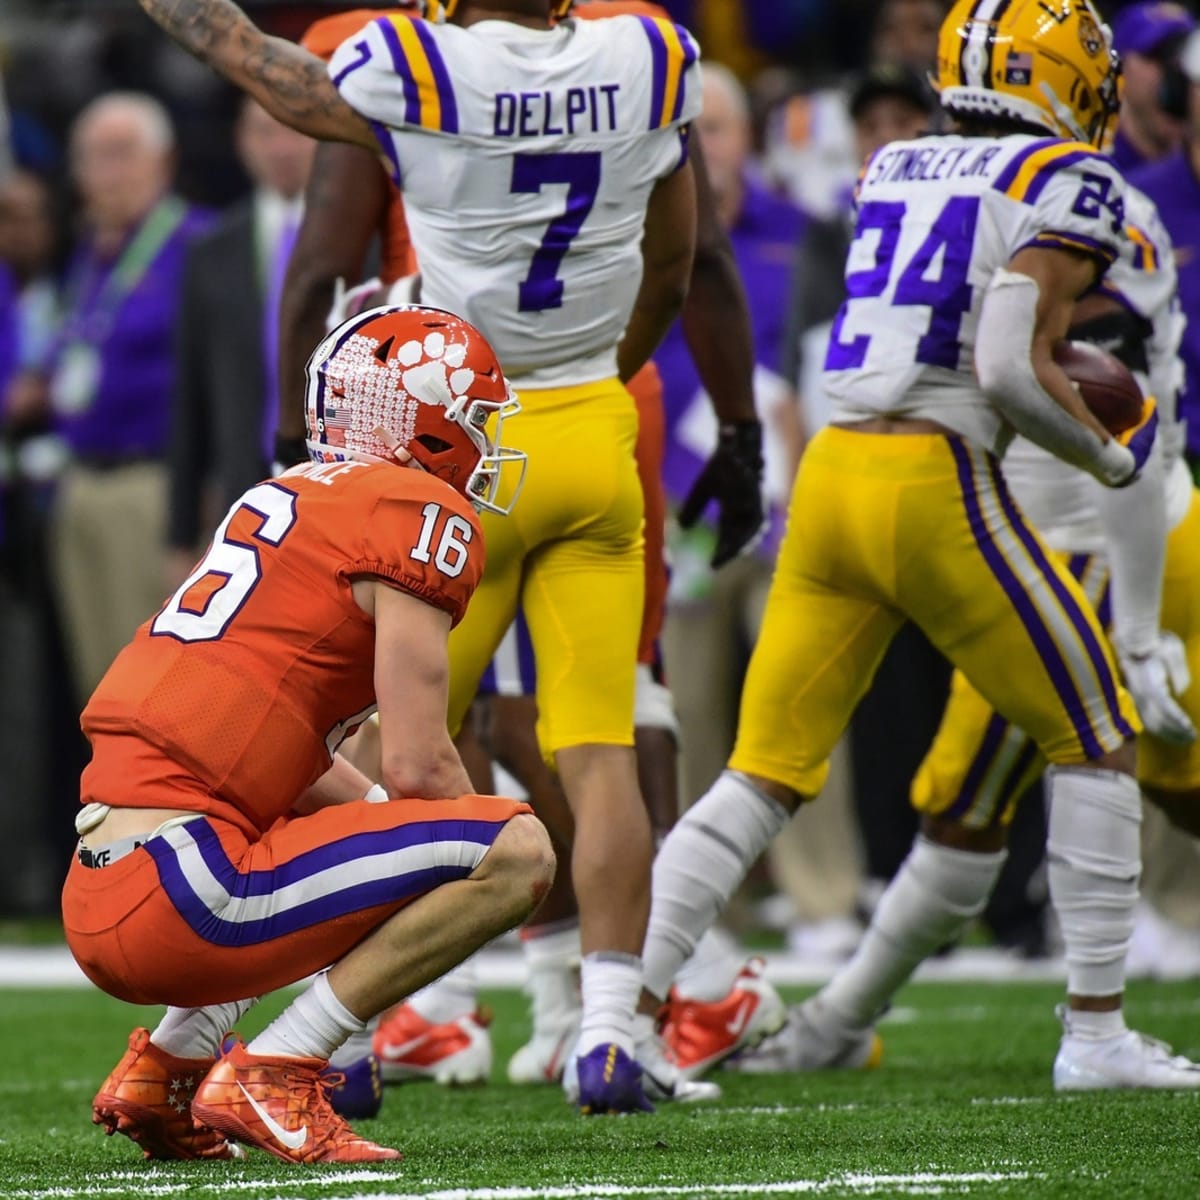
(936, 218)
(1062, 500)
(527, 157)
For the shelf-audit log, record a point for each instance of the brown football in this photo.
(1104, 382)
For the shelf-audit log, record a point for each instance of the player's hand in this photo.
(289, 452)
(733, 478)
(1139, 440)
(1154, 679)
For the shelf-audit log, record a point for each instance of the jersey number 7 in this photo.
(580, 171)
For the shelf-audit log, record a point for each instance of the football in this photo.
(1104, 382)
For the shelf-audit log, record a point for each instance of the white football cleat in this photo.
(543, 1058)
(456, 1052)
(1129, 1060)
(809, 1041)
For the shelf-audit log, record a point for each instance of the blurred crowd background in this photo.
(146, 217)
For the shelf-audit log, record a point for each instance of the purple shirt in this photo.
(1173, 186)
(132, 337)
(1125, 154)
(764, 244)
(8, 330)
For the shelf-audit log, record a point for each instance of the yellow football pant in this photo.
(980, 765)
(570, 554)
(887, 527)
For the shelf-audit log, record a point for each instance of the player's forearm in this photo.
(659, 302)
(425, 770)
(307, 298)
(288, 81)
(1135, 528)
(341, 784)
(716, 324)
(1030, 390)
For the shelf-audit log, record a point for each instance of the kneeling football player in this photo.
(226, 849)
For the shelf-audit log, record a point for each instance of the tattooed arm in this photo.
(288, 81)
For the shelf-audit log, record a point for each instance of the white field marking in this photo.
(161, 1181)
(925, 1183)
(53, 966)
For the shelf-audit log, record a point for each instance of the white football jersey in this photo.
(1060, 500)
(937, 217)
(527, 157)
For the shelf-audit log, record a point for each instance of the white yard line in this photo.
(53, 966)
(922, 1183)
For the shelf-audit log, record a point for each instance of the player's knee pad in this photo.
(1094, 853)
(653, 705)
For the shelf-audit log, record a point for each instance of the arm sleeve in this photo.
(432, 549)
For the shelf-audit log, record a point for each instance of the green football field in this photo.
(962, 1106)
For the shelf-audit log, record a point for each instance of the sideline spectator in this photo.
(227, 338)
(110, 377)
(1148, 38)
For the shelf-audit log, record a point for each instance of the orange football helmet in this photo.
(414, 384)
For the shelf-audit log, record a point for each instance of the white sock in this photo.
(1096, 1026)
(709, 974)
(356, 1046)
(197, 1032)
(314, 1025)
(1094, 855)
(702, 862)
(611, 984)
(454, 995)
(936, 892)
(552, 961)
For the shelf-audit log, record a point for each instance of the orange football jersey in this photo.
(261, 663)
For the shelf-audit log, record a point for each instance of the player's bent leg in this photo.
(271, 1094)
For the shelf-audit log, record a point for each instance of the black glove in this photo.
(733, 478)
(289, 452)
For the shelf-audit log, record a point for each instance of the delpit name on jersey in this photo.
(591, 109)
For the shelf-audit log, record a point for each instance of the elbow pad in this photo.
(1006, 374)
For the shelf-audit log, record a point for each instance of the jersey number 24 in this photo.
(947, 294)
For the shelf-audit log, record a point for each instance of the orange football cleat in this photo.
(148, 1097)
(456, 1052)
(280, 1105)
(698, 1034)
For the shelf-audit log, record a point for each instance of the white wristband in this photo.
(376, 794)
(1114, 465)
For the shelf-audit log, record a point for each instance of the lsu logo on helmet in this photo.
(1044, 62)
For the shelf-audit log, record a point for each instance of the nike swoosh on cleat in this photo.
(741, 1017)
(395, 1050)
(292, 1139)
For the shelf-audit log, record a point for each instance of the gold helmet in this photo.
(1043, 62)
